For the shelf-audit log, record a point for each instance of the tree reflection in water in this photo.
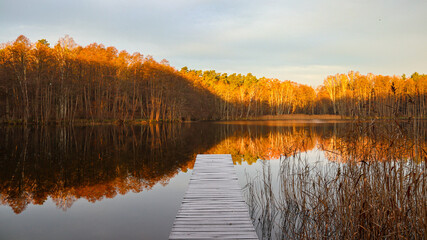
(93, 163)
(372, 187)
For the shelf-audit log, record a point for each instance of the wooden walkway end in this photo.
(213, 206)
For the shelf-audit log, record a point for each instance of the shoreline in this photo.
(321, 118)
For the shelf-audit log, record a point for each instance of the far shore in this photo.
(321, 118)
(299, 117)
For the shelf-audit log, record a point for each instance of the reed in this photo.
(357, 197)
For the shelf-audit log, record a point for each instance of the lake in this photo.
(127, 182)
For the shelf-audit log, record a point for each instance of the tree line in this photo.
(66, 82)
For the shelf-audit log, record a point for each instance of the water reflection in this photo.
(340, 142)
(377, 141)
(372, 178)
(99, 162)
(93, 163)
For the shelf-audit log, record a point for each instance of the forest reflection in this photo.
(340, 141)
(93, 163)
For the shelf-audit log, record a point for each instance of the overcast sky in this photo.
(298, 40)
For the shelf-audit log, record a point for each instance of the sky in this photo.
(299, 40)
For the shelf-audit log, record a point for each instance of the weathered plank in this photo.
(213, 206)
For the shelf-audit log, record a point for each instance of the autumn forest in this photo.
(64, 83)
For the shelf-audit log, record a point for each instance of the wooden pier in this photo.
(213, 206)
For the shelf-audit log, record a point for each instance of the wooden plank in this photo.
(194, 206)
(222, 229)
(212, 222)
(216, 235)
(213, 206)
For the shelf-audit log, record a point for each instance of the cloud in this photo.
(296, 40)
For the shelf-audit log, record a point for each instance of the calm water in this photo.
(110, 182)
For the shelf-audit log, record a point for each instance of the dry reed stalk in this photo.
(358, 197)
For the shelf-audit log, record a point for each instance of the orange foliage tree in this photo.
(68, 82)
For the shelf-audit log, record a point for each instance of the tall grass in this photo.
(357, 197)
